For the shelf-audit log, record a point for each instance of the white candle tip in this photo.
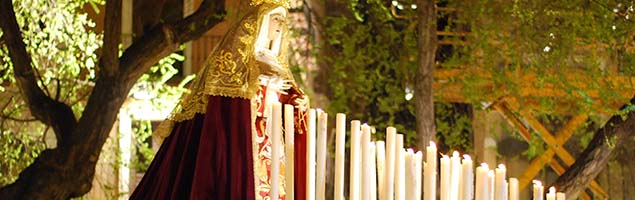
(537, 183)
(432, 144)
(467, 157)
(484, 165)
(455, 154)
(501, 166)
(552, 190)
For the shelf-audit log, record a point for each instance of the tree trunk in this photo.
(423, 94)
(68, 171)
(597, 154)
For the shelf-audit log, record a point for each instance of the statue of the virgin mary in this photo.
(217, 143)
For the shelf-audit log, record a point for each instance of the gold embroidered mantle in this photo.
(230, 70)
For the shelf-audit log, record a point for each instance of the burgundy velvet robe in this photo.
(210, 156)
(207, 157)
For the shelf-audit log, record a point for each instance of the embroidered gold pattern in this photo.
(283, 3)
(226, 73)
(189, 106)
(248, 42)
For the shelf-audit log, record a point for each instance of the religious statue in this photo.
(217, 143)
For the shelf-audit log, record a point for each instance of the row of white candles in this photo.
(386, 170)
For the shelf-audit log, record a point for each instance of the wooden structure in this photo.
(523, 118)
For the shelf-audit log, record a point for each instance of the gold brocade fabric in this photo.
(230, 69)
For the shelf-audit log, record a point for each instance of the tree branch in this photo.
(166, 38)
(597, 154)
(53, 113)
(109, 61)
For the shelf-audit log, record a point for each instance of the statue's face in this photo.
(275, 25)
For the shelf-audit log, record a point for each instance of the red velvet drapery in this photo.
(207, 157)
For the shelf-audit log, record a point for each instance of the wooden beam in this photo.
(545, 158)
(446, 86)
(513, 120)
(562, 153)
(561, 137)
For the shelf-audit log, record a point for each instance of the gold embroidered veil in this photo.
(230, 69)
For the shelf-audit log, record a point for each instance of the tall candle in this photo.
(321, 155)
(373, 172)
(551, 195)
(466, 189)
(340, 150)
(445, 177)
(560, 196)
(418, 160)
(455, 175)
(499, 183)
(410, 174)
(310, 142)
(365, 167)
(430, 173)
(513, 189)
(505, 190)
(538, 190)
(276, 132)
(400, 188)
(389, 169)
(355, 161)
(289, 151)
(492, 176)
(381, 157)
(482, 191)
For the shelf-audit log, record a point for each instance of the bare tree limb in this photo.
(109, 61)
(43, 108)
(17, 119)
(597, 154)
(166, 38)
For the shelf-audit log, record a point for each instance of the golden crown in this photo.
(283, 3)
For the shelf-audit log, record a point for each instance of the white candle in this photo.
(445, 177)
(430, 173)
(381, 157)
(400, 174)
(499, 183)
(491, 175)
(513, 189)
(310, 142)
(373, 172)
(560, 196)
(410, 174)
(551, 195)
(289, 131)
(365, 158)
(276, 132)
(482, 191)
(466, 189)
(538, 190)
(355, 161)
(389, 169)
(418, 160)
(505, 190)
(455, 175)
(340, 141)
(321, 155)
